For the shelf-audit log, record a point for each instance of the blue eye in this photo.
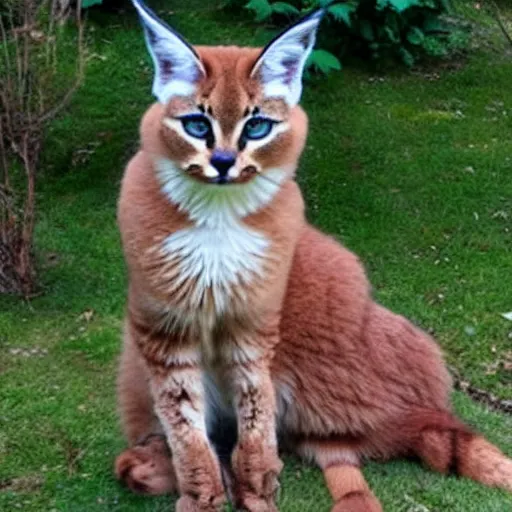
(196, 125)
(257, 128)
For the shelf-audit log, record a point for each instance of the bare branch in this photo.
(64, 101)
(29, 35)
(499, 19)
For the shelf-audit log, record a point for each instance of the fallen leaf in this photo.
(37, 36)
(96, 56)
(500, 214)
(87, 315)
(492, 368)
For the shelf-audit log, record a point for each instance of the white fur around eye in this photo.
(177, 126)
(252, 145)
(217, 130)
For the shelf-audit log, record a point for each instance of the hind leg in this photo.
(340, 463)
(145, 467)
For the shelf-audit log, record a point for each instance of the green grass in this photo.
(413, 172)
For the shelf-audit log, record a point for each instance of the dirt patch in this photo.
(30, 483)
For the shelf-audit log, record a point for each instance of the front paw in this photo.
(256, 468)
(251, 503)
(147, 469)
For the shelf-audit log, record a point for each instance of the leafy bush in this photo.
(371, 29)
(90, 3)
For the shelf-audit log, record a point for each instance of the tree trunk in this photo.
(10, 281)
(25, 264)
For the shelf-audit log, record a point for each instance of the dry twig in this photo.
(499, 19)
(27, 33)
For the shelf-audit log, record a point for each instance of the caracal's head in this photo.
(229, 114)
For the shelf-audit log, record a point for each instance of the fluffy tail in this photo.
(447, 445)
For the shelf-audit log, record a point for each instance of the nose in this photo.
(223, 160)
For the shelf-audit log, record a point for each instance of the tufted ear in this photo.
(281, 63)
(177, 65)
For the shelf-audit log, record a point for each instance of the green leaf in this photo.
(407, 57)
(446, 5)
(284, 8)
(261, 9)
(323, 61)
(433, 24)
(392, 35)
(342, 12)
(397, 5)
(367, 30)
(392, 20)
(90, 3)
(415, 36)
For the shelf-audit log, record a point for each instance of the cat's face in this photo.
(228, 111)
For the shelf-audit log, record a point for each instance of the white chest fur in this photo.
(219, 252)
(217, 259)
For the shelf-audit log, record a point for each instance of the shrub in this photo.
(371, 29)
(90, 3)
(34, 87)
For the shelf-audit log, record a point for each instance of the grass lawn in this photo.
(411, 170)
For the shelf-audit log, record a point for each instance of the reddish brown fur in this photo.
(349, 490)
(347, 378)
